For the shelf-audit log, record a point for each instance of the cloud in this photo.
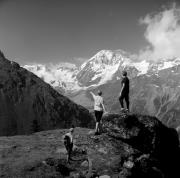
(79, 60)
(162, 33)
(62, 72)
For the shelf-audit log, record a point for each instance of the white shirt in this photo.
(98, 103)
(70, 136)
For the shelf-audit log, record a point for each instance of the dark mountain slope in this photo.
(28, 104)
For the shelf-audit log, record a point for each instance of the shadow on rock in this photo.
(158, 145)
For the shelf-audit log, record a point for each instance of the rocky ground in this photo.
(129, 146)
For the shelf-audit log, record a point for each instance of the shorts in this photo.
(98, 115)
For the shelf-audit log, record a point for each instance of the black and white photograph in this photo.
(89, 88)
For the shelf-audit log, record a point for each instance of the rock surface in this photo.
(28, 104)
(129, 146)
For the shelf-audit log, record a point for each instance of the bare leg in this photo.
(98, 130)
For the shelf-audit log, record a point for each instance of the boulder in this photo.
(157, 146)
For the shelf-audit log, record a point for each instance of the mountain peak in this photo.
(1, 54)
(106, 57)
(3, 60)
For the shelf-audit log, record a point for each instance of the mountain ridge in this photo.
(26, 100)
(103, 67)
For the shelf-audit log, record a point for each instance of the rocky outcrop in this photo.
(130, 146)
(155, 147)
(28, 104)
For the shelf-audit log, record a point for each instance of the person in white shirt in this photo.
(98, 109)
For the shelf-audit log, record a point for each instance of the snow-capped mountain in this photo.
(154, 86)
(61, 76)
(100, 68)
(106, 66)
(154, 89)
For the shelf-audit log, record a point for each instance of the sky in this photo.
(54, 31)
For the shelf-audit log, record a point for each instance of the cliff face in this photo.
(130, 146)
(152, 147)
(28, 104)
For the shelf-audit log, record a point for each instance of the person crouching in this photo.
(68, 143)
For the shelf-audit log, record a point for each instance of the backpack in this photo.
(67, 143)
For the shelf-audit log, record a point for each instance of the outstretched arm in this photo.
(93, 95)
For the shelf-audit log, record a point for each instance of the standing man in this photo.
(98, 109)
(124, 93)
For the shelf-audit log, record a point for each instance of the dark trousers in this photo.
(98, 115)
(121, 99)
(69, 147)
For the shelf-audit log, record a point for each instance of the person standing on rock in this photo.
(98, 109)
(68, 143)
(124, 93)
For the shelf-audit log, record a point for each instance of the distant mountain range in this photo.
(103, 67)
(28, 104)
(155, 86)
(62, 77)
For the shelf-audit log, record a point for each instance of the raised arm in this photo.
(93, 95)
